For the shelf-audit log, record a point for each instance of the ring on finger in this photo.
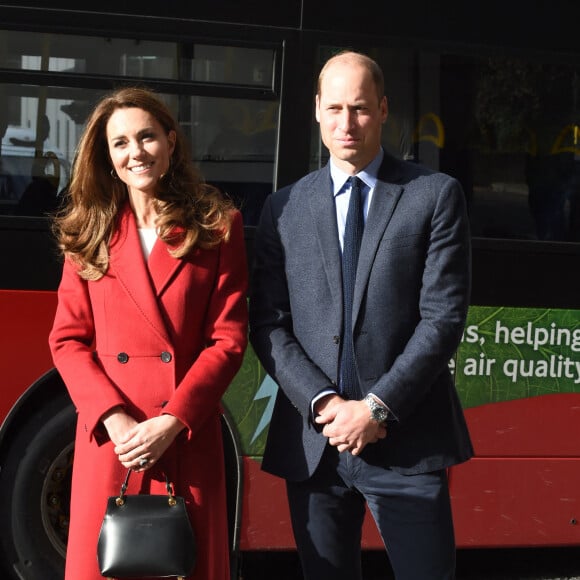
(143, 462)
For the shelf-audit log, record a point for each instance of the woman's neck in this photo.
(143, 207)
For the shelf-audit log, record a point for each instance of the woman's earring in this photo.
(113, 174)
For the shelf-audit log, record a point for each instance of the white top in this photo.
(148, 237)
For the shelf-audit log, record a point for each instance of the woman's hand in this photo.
(118, 424)
(145, 442)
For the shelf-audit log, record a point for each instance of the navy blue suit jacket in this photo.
(410, 303)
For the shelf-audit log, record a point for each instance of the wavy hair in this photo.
(190, 212)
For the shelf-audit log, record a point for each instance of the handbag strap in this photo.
(170, 493)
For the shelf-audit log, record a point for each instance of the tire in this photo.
(35, 494)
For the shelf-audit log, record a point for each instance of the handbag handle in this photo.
(170, 493)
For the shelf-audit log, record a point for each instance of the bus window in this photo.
(511, 141)
(506, 127)
(34, 155)
(139, 58)
(224, 98)
(234, 143)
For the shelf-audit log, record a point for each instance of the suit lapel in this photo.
(162, 267)
(323, 214)
(128, 265)
(384, 201)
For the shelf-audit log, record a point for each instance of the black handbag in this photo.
(146, 536)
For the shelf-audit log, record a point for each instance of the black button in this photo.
(166, 356)
(122, 357)
(336, 339)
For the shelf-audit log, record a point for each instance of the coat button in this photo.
(166, 356)
(336, 339)
(122, 357)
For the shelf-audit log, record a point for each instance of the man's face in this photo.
(350, 115)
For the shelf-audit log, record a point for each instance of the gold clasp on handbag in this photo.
(171, 501)
(121, 499)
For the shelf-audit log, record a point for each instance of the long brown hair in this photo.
(190, 212)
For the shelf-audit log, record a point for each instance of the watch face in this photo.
(380, 414)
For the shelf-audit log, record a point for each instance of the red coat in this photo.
(168, 337)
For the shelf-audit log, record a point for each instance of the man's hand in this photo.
(348, 424)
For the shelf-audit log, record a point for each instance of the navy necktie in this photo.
(353, 231)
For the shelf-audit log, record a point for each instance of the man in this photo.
(366, 411)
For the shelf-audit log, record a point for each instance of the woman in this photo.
(150, 326)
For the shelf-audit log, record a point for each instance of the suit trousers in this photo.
(412, 513)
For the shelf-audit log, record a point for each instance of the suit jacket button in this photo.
(336, 339)
(122, 357)
(166, 356)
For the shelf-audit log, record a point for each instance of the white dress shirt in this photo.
(341, 189)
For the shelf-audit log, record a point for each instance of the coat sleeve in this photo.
(443, 305)
(226, 335)
(271, 325)
(71, 343)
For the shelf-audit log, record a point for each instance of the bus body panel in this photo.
(516, 502)
(26, 317)
(542, 426)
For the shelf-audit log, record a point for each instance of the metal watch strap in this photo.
(378, 412)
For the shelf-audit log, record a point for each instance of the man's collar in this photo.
(368, 175)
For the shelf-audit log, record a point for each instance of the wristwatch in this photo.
(378, 412)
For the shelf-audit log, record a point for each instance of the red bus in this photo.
(473, 92)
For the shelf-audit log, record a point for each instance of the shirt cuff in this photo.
(323, 393)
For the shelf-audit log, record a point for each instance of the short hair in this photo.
(361, 59)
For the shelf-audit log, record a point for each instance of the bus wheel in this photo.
(35, 487)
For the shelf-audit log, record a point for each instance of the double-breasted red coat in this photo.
(164, 335)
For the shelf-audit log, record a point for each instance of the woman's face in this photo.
(139, 148)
